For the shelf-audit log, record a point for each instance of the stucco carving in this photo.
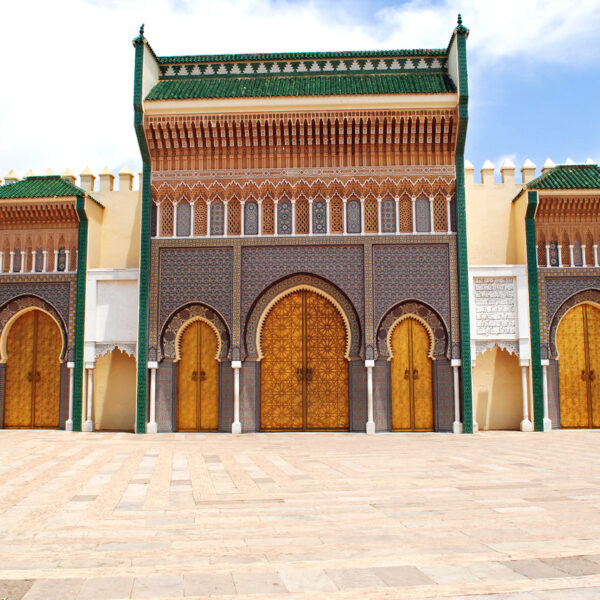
(495, 307)
(511, 346)
(102, 349)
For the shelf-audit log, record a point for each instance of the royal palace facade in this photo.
(307, 251)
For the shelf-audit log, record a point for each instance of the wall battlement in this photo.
(103, 182)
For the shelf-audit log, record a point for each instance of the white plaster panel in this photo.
(116, 310)
(495, 307)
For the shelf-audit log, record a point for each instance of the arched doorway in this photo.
(578, 345)
(304, 369)
(411, 375)
(198, 379)
(33, 349)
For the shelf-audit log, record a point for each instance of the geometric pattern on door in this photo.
(578, 341)
(32, 397)
(411, 377)
(304, 371)
(198, 379)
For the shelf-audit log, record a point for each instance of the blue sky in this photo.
(534, 68)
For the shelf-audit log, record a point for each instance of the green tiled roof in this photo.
(568, 177)
(305, 85)
(46, 186)
(211, 58)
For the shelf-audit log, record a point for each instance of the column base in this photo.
(151, 427)
(547, 425)
(236, 427)
(457, 427)
(69, 425)
(88, 426)
(370, 427)
(475, 427)
(526, 425)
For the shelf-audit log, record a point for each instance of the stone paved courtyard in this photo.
(102, 516)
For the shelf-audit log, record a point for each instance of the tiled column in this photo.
(89, 421)
(457, 426)
(69, 423)
(526, 424)
(370, 421)
(547, 423)
(236, 426)
(151, 426)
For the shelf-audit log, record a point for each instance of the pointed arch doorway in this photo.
(304, 367)
(198, 379)
(578, 345)
(33, 349)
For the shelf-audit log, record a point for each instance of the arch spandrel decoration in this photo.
(10, 312)
(422, 313)
(289, 284)
(590, 296)
(185, 315)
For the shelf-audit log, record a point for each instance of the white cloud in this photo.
(68, 65)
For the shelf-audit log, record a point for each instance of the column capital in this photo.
(369, 364)
(153, 364)
(236, 364)
(90, 365)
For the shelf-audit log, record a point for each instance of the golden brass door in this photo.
(198, 380)
(577, 341)
(32, 396)
(304, 374)
(411, 375)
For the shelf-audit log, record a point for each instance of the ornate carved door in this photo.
(198, 380)
(579, 367)
(411, 378)
(33, 372)
(304, 374)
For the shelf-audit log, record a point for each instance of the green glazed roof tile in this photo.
(306, 85)
(46, 186)
(568, 177)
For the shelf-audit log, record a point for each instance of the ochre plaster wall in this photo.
(118, 238)
(114, 392)
(492, 234)
(497, 396)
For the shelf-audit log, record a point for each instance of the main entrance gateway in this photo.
(578, 344)
(33, 352)
(198, 379)
(304, 372)
(411, 378)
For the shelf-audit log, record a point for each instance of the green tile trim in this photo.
(274, 56)
(534, 311)
(142, 347)
(82, 244)
(461, 221)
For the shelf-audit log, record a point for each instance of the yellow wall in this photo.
(114, 392)
(491, 233)
(497, 396)
(116, 244)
